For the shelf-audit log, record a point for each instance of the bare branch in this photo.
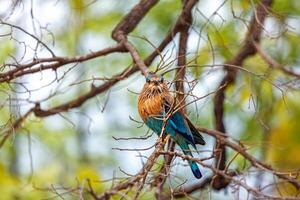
(248, 49)
(38, 65)
(273, 63)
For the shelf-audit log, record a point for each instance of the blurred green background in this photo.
(55, 154)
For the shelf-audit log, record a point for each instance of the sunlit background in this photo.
(61, 151)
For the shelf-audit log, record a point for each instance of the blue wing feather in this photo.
(175, 124)
(178, 123)
(180, 130)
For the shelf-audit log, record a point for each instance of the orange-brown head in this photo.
(154, 84)
(153, 95)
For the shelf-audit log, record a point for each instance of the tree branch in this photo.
(130, 21)
(139, 176)
(95, 90)
(228, 176)
(272, 62)
(183, 28)
(38, 65)
(247, 49)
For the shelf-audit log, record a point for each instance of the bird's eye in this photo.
(162, 80)
(148, 80)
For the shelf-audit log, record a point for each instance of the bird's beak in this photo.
(156, 82)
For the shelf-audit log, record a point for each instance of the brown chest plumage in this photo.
(150, 106)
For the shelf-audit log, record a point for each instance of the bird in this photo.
(155, 104)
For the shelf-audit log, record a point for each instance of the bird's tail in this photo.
(186, 150)
(195, 169)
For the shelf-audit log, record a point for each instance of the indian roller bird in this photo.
(155, 108)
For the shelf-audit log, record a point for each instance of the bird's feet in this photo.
(162, 140)
(166, 139)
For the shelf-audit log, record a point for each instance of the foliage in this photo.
(81, 150)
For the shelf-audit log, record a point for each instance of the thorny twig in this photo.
(222, 175)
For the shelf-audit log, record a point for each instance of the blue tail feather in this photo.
(195, 169)
(180, 140)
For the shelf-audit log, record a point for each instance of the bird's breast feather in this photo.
(150, 107)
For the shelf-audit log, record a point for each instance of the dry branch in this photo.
(53, 63)
(272, 62)
(229, 175)
(95, 90)
(135, 180)
(221, 177)
(247, 49)
(185, 23)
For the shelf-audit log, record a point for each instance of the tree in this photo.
(234, 71)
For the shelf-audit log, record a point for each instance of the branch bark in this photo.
(185, 20)
(272, 62)
(133, 181)
(247, 49)
(95, 90)
(242, 150)
(38, 65)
